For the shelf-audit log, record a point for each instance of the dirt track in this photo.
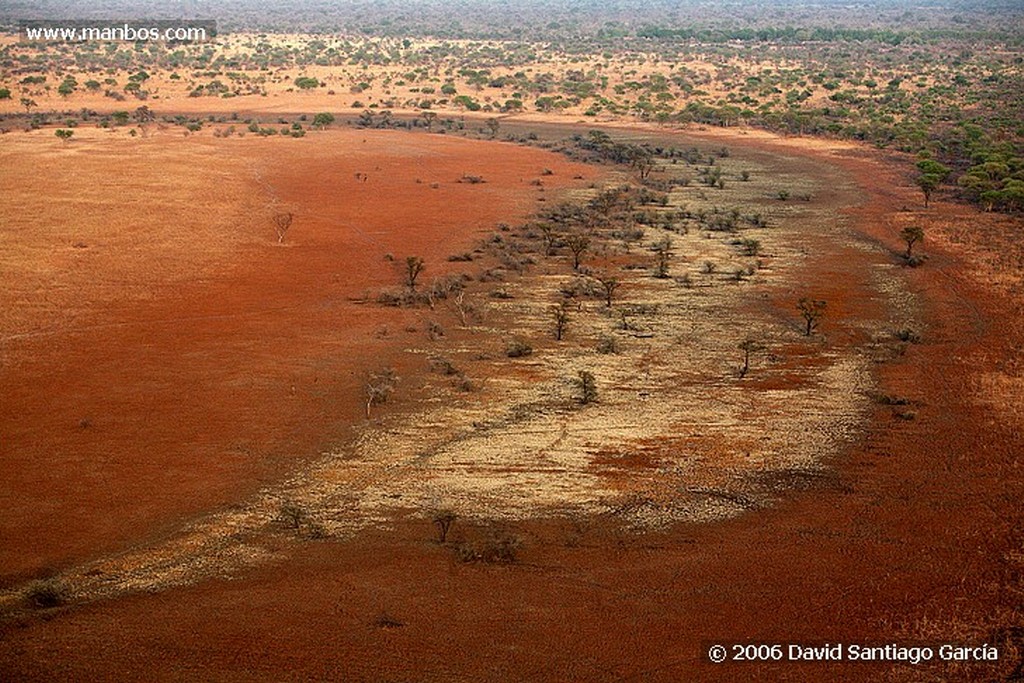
(916, 538)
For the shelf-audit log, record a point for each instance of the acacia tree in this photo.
(322, 120)
(587, 385)
(812, 310)
(578, 244)
(663, 254)
(28, 103)
(932, 175)
(748, 346)
(550, 237)
(561, 316)
(644, 164)
(928, 183)
(609, 284)
(911, 235)
(413, 267)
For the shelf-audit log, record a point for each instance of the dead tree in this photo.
(493, 125)
(460, 305)
(550, 237)
(748, 346)
(812, 310)
(413, 267)
(443, 520)
(282, 221)
(578, 244)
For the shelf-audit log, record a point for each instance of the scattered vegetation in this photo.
(498, 547)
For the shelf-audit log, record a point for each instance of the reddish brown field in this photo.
(916, 537)
(163, 356)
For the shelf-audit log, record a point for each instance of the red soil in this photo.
(921, 526)
(167, 368)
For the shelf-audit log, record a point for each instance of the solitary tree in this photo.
(644, 164)
(812, 311)
(932, 175)
(911, 235)
(550, 237)
(586, 383)
(322, 120)
(413, 267)
(609, 284)
(144, 114)
(379, 386)
(928, 183)
(282, 221)
(64, 134)
(577, 244)
(748, 346)
(28, 103)
(750, 247)
(443, 520)
(493, 125)
(561, 316)
(663, 254)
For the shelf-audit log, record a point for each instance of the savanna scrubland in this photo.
(526, 342)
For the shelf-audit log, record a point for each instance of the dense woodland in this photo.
(940, 79)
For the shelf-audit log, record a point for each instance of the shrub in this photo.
(607, 344)
(434, 330)
(908, 335)
(498, 549)
(517, 348)
(46, 594)
(386, 621)
(586, 385)
(291, 516)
